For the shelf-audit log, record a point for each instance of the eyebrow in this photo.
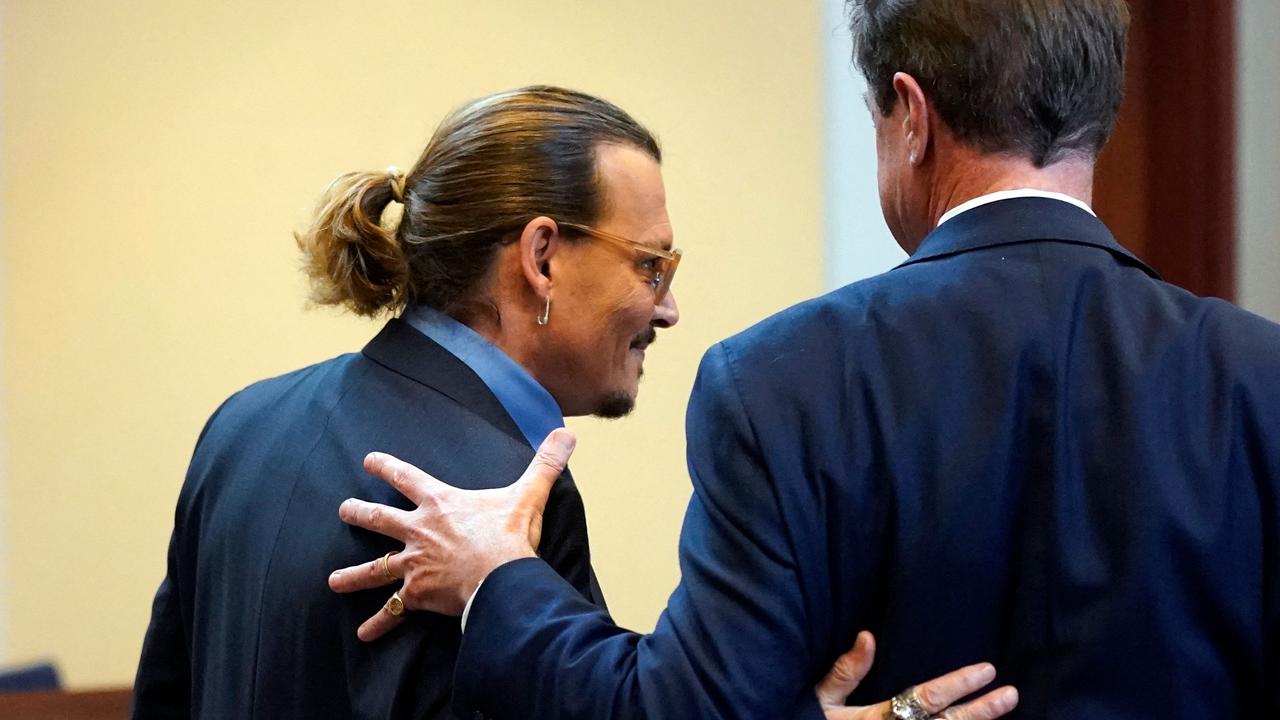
(665, 244)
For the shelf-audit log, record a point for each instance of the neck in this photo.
(977, 176)
(973, 174)
(510, 323)
(498, 328)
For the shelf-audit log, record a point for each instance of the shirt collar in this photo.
(1009, 195)
(1019, 220)
(529, 404)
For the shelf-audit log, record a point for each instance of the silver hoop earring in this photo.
(544, 317)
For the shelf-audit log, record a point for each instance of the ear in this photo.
(539, 241)
(915, 123)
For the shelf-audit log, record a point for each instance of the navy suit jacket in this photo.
(1020, 446)
(244, 624)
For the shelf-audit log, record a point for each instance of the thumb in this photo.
(847, 671)
(534, 486)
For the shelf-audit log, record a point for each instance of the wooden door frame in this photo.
(1166, 182)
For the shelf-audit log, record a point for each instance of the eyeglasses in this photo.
(665, 262)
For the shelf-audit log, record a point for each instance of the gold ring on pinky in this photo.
(386, 569)
(395, 605)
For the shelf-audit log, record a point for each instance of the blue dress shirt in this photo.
(529, 404)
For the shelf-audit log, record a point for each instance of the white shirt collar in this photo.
(1009, 195)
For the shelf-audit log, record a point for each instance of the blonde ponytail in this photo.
(350, 252)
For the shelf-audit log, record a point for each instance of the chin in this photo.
(616, 405)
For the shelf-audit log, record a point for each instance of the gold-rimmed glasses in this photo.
(665, 262)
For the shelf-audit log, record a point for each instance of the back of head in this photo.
(491, 166)
(1037, 78)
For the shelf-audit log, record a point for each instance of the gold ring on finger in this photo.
(386, 569)
(395, 605)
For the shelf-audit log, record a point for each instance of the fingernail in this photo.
(565, 440)
(987, 672)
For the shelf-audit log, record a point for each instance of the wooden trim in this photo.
(91, 705)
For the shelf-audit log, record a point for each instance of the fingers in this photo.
(848, 670)
(380, 624)
(938, 693)
(382, 519)
(992, 705)
(366, 575)
(534, 485)
(407, 479)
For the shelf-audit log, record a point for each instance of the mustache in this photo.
(645, 339)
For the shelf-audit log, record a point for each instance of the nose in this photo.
(666, 313)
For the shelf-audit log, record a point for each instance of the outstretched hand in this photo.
(453, 539)
(935, 697)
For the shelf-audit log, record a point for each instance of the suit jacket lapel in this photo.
(403, 350)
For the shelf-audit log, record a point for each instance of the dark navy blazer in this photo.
(1020, 446)
(244, 624)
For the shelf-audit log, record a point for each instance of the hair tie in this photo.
(396, 175)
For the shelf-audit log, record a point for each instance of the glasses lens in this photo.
(666, 271)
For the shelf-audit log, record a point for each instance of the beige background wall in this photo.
(156, 156)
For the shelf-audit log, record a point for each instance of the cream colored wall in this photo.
(156, 156)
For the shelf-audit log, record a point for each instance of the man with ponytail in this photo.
(517, 300)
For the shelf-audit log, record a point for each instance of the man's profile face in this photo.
(603, 315)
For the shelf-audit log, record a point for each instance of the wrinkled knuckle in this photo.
(412, 595)
(929, 697)
(547, 460)
(420, 536)
(400, 475)
(374, 515)
(986, 710)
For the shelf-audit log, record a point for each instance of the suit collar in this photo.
(535, 412)
(405, 351)
(1019, 220)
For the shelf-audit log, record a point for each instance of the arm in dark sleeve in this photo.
(731, 643)
(162, 688)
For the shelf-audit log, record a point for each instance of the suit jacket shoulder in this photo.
(257, 533)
